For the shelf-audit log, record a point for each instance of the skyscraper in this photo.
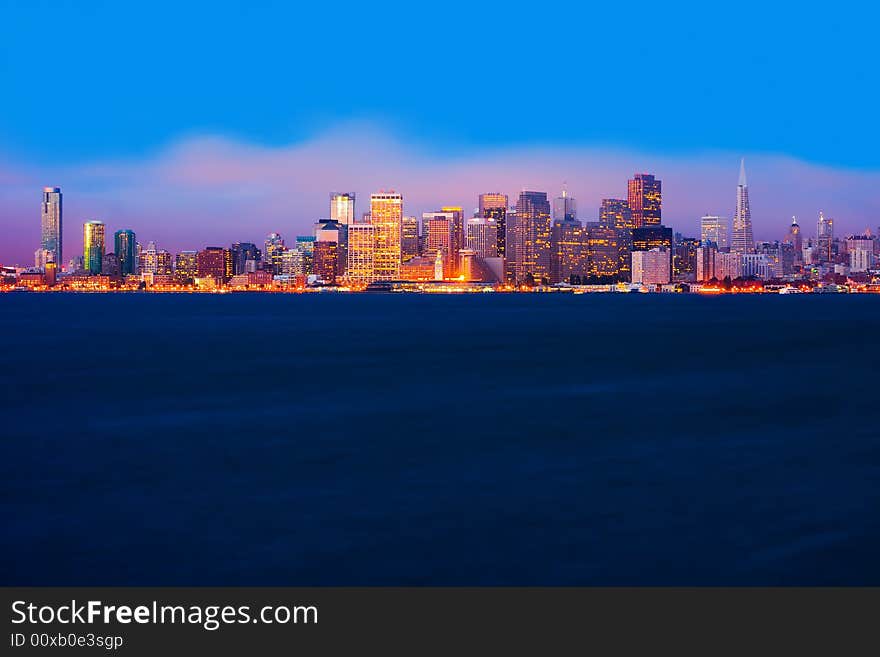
(533, 253)
(242, 253)
(438, 229)
(274, 248)
(482, 237)
(644, 194)
(564, 207)
(743, 240)
(126, 250)
(409, 241)
(386, 217)
(186, 266)
(50, 223)
(361, 244)
(713, 229)
(796, 239)
(824, 239)
(616, 213)
(342, 207)
(93, 246)
(494, 206)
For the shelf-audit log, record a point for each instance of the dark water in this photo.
(391, 439)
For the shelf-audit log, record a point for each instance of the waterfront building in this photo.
(568, 250)
(409, 241)
(186, 266)
(326, 262)
(651, 267)
(482, 236)
(439, 231)
(214, 262)
(684, 258)
(728, 265)
(861, 252)
(494, 206)
(602, 250)
(386, 217)
(274, 247)
(705, 257)
(361, 246)
(533, 250)
(245, 255)
(125, 243)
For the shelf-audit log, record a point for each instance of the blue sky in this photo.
(92, 84)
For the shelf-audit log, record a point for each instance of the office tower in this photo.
(706, 261)
(564, 207)
(409, 241)
(110, 265)
(651, 267)
(494, 206)
(126, 250)
(533, 257)
(51, 223)
(214, 262)
(684, 258)
(386, 217)
(796, 239)
(602, 250)
(326, 261)
(438, 229)
(757, 265)
(824, 239)
(645, 198)
(342, 207)
(186, 266)
(482, 237)
(274, 248)
(93, 246)
(306, 244)
(293, 263)
(861, 252)
(615, 212)
(148, 259)
(743, 240)
(331, 231)
(361, 246)
(652, 237)
(458, 233)
(568, 251)
(713, 229)
(242, 253)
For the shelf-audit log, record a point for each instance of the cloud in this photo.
(215, 190)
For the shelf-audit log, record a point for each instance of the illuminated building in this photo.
(272, 253)
(186, 266)
(533, 252)
(652, 237)
(458, 236)
(342, 207)
(293, 263)
(110, 266)
(706, 262)
(616, 212)
(361, 243)
(211, 262)
(824, 250)
(494, 206)
(93, 246)
(325, 261)
(861, 252)
(568, 250)
(438, 228)
(684, 258)
(242, 254)
(409, 241)
(602, 250)
(796, 239)
(51, 273)
(645, 198)
(336, 233)
(306, 244)
(42, 257)
(125, 243)
(651, 267)
(51, 233)
(757, 265)
(728, 265)
(420, 268)
(482, 237)
(564, 207)
(713, 229)
(386, 217)
(743, 240)
(155, 261)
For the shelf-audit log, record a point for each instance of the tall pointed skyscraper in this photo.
(743, 240)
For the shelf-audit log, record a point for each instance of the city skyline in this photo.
(255, 209)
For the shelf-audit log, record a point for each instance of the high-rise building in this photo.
(533, 252)
(603, 250)
(438, 229)
(743, 239)
(615, 212)
(713, 229)
(652, 237)
(706, 262)
(125, 243)
(214, 262)
(342, 207)
(272, 253)
(568, 250)
(651, 267)
(386, 217)
(331, 231)
(861, 252)
(93, 246)
(796, 239)
(110, 266)
(458, 233)
(564, 207)
(51, 223)
(824, 250)
(409, 241)
(186, 266)
(326, 261)
(482, 237)
(728, 265)
(684, 258)
(154, 261)
(242, 254)
(645, 197)
(361, 246)
(494, 206)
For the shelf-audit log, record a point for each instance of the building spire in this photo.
(742, 173)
